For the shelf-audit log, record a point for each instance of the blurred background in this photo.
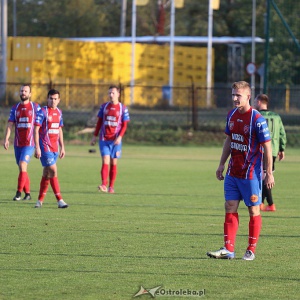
(175, 60)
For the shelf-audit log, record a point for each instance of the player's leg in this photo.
(252, 198)
(112, 175)
(23, 155)
(44, 184)
(115, 155)
(105, 150)
(50, 175)
(231, 222)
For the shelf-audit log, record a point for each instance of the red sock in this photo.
(43, 188)
(55, 187)
(112, 175)
(104, 173)
(27, 185)
(21, 181)
(254, 231)
(231, 226)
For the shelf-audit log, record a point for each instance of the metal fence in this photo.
(85, 96)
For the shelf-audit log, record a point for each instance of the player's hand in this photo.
(219, 172)
(281, 155)
(269, 181)
(62, 153)
(6, 145)
(37, 153)
(118, 140)
(93, 141)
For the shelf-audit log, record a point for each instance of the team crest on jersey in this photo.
(231, 125)
(254, 198)
(50, 118)
(30, 113)
(246, 129)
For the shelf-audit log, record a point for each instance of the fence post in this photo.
(194, 107)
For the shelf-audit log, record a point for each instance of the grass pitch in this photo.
(155, 231)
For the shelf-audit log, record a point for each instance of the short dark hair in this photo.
(27, 84)
(263, 98)
(53, 92)
(114, 87)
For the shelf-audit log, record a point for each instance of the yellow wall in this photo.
(41, 59)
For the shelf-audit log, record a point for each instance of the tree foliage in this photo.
(100, 18)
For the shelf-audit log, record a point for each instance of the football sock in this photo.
(27, 185)
(104, 173)
(21, 181)
(267, 193)
(254, 231)
(55, 187)
(112, 175)
(231, 226)
(43, 188)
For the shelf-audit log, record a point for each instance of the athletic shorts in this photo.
(108, 148)
(23, 153)
(48, 158)
(243, 189)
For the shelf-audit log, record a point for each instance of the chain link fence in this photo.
(151, 107)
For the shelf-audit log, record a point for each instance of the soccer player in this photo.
(49, 141)
(248, 143)
(113, 117)
(22, 117)
(279, 141)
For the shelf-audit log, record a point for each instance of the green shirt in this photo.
(276, 130)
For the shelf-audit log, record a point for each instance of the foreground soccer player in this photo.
(113, 117)
(247, 139)
(48, 136)
(22, 116)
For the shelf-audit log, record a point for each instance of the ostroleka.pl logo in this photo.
(159, 291)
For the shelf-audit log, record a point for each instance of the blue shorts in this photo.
(23, 153)
(108, 148)
(48, 158)
(243, 189)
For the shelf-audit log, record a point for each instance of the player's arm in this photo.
(268, 163)
(36, 134)
(96, 132)
(223, 159)
(62, 151)
(118, 140)
(282, 141)
(7, 134)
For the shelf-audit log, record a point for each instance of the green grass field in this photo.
(155, 231)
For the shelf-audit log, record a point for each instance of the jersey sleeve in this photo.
(39, 117)
(282, 137)
(125, 115)
(12, 114)
(262, 130)
(101, 111)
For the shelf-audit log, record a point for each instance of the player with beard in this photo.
(22, 117)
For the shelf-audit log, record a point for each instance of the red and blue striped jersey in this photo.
(49, 120)
(248, 132)
(113, 116)
(23, 115)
